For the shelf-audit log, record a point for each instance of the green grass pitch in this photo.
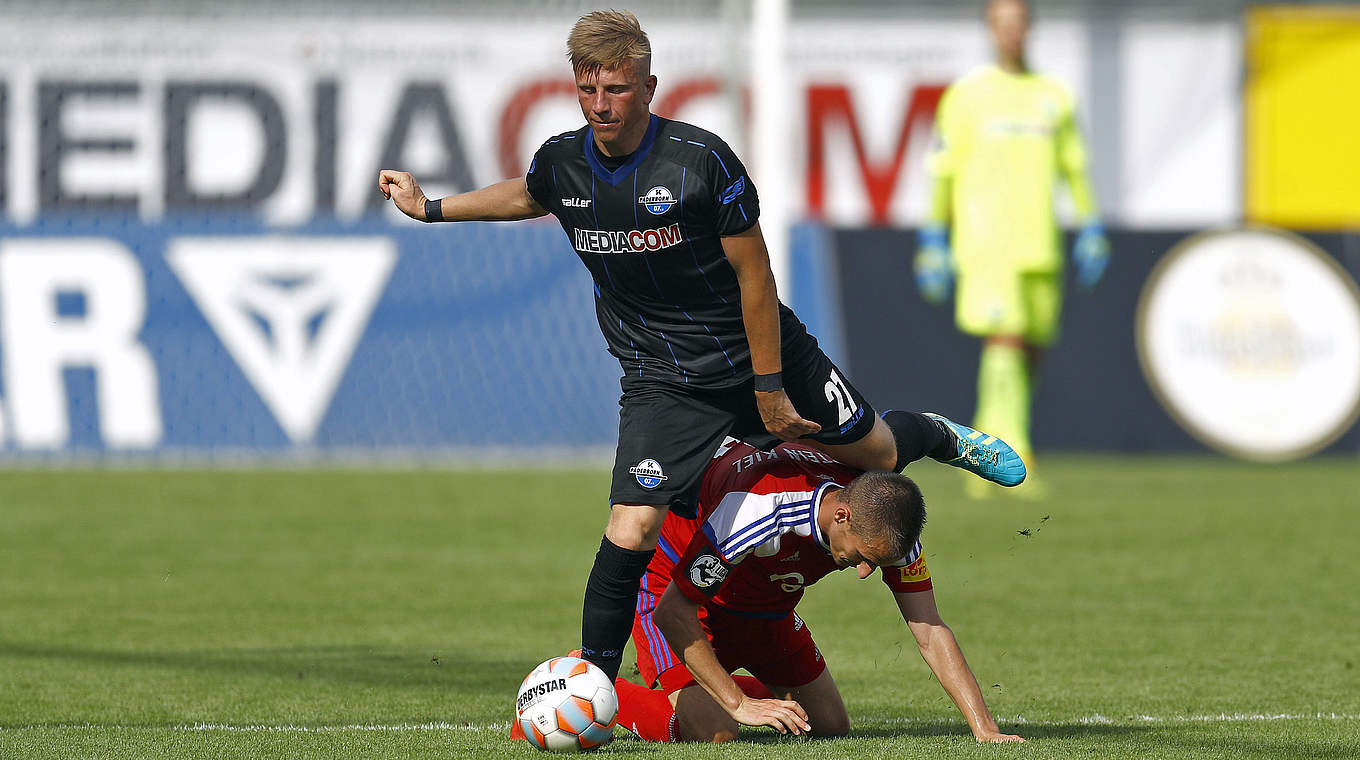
(1152, 607)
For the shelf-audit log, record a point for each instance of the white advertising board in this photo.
(291, 117)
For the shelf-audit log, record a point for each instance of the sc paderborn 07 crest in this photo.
(648, 473)
(658, 200)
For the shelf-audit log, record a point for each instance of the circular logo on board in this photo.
(1250, 339)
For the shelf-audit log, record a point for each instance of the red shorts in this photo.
(778, 652)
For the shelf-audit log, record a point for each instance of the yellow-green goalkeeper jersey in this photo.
(1002, 139)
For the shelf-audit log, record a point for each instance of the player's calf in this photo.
(699, 719)
(823, 729)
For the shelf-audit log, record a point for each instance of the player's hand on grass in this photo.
(996, 737)
(402, 190)
(780, 418)
(932, 266)
(1090, 255)
(783, 715)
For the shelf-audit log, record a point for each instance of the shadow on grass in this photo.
(1031, 731)
(371, 666)
(1220, 740)
(941, 729)
(1186, 740)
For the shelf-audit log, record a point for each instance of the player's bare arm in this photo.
(760, 313)
(506, 201)
(942, 653)
(678, 618)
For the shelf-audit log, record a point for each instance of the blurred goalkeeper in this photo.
(1004, 134)
(665, 218)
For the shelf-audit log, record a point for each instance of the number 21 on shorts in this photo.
(839, 394)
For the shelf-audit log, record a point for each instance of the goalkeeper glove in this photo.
(1090, 254)
(934, 270)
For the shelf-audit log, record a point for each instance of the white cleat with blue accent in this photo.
(984, 455)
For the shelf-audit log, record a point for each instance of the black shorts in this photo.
(668, 433)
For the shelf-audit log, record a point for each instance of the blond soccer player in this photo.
(1004, 135)
(666, 219)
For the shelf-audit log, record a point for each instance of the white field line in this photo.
(270, 729)
(1100, 720)
(1096, 719)
(1093, 719)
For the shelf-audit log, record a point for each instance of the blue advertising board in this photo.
(228, 337)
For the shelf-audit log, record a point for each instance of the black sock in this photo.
(918, 435)
(611, 602)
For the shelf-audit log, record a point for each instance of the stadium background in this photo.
(195, 264)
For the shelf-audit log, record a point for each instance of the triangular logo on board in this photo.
(289, 309)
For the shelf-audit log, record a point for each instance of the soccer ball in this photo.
(567, 705)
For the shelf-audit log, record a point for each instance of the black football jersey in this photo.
(650, 233)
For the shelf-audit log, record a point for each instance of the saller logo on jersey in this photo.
(627, 241)
(706, 571)
(648, 473)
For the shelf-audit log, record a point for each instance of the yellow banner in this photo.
(1303, 116)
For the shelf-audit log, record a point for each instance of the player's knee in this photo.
(635, 526)
(881, 451)
(710, 728)
(724, 735)
(886, 460)
(875, 451)
(831, 728)
(716, 733)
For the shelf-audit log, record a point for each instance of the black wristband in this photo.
(434, 211)
(771, 382)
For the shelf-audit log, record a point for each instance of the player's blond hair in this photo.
(608, 40)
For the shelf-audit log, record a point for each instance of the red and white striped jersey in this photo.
(755, 544)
